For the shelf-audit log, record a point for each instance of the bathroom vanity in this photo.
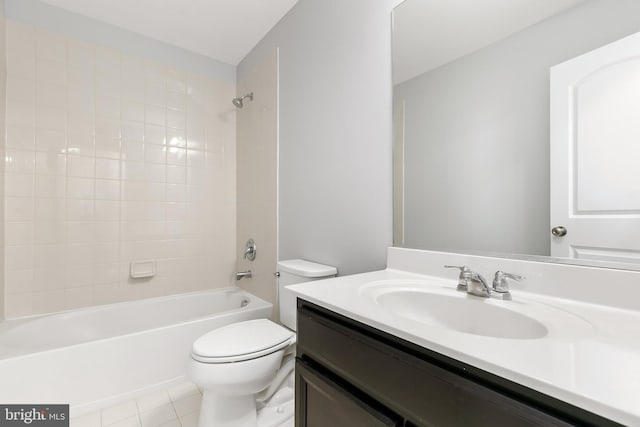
(348, 373)
(367, 356)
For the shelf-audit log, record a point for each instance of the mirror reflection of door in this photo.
(595, 154)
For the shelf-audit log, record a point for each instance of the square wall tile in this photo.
(18, 305)
(18, 233)
(21, 91)
(19, 184)
(50, 231)
(78, 276)
(19, 160)
(48, 279)
(106, 189)
(80, 232)
(107, 169)
(133, 131)
(155, 134)
(20, 113)
(48, 186)
(51, 71)
(79, 210)
(77, 298)
(133, 110)
(80, 166)
(19, 209)
(107, 232)
(19, 257)
(50, 47)
(79, 188)
(81, 143)
(19, 282)
(51, 95)
(48, 301)
(21, 137)
(155, 153)
(107, 147)
(52, 139)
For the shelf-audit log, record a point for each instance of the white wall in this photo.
(477, 135)
(3, 103)
(335, 201)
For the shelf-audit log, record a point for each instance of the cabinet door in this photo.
(320, 402)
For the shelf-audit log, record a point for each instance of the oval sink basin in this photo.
(444, 307)
(469, 315)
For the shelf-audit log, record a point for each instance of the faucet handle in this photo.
(500, 283)
(465, 276)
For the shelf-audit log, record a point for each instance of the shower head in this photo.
(238, 102)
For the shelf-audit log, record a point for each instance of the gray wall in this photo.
(477, 135)
(3, 102)
(71, 24)
(335, 184)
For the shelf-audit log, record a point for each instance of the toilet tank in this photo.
(297, 271)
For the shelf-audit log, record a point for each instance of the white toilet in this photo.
(246, 369)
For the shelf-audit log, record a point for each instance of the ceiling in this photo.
(225, 30)
(431, 33)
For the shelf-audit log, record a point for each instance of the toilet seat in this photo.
(241, 341)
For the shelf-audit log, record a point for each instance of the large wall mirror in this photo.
(475, 170)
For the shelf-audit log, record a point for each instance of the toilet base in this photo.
(279, 409)
(219, 411)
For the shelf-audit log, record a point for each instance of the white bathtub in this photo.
(98, 356)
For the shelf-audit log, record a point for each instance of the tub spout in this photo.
(243, 274)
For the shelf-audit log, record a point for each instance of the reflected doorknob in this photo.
(559, 231)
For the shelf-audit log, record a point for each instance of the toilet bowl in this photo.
(241, 366)
(232, 364)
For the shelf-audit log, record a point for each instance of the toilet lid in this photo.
(241, 341)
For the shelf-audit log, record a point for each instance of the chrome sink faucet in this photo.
(475, 284)
(501, 286)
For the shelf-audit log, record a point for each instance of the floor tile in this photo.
(190, 420)
(128, 422)
(179, 406)
(92, 419)
(160, 415)
(119, 412)
(188, 404)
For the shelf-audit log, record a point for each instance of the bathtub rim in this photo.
(255, 302)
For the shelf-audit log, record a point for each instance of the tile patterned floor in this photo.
(178, 406)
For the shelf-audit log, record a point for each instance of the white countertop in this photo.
(598, 371)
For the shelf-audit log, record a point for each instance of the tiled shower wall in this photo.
(112, 158)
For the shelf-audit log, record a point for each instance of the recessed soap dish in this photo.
(142, 269)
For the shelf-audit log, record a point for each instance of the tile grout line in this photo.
(138, 412)
(174, 409)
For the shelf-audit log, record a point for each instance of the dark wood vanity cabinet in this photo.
(349, 374)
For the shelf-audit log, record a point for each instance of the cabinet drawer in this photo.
(424, 393)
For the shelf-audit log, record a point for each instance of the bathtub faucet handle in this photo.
(250, 250)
